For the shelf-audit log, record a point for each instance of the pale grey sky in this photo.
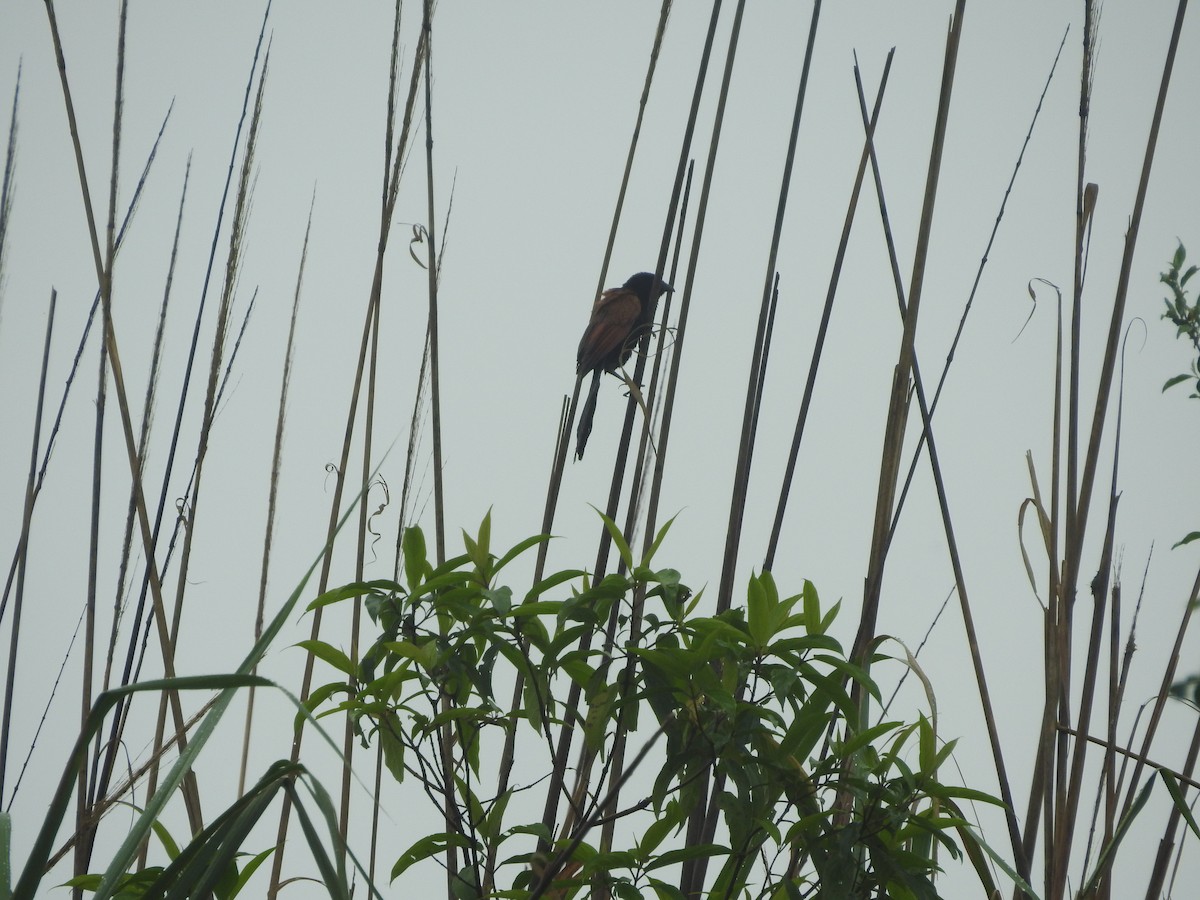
(533, 109)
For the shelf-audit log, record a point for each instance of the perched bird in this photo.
(620, 316)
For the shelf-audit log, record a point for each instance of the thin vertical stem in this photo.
(386, 214)
(104, 279)
(898, 408)
(741, 474)
(23, 553)
(273, 489)
(435, 393)
(81, 800)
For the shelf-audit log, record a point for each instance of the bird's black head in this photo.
(645, 285)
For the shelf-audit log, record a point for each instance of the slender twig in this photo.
(1064, 840)
(150, 536)
(23, 555)
(1140, 758)
(232, 264)
(560, 458)
(983, 260)
(81, 801)
(741, 474)
(435, 396)
(697, 821)
(1166, 843)
(1103, 392)
(7, 184)
(556, 864)
(273, 487)
(79, 348)
(554, 790)
(897, 413)
(823, 329)
(616, 757)
(104, 278)
(386, 215)
(1058, 674)
(943, 502)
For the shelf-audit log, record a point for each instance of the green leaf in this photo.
(430, 845)
(439, 582)
(537, 829)
(5, 856)
(331, 655)
(390, 730)
(1171, 382)
(334, 878)
(655, 833)
(338, 594)
(208, 863)
(599, 712)
(851, 670)
(972, 845)
(1011, 872)
(532, 703)
(223, 889)
(459, 714)
(941, 756)
(830, 688)
(1181, 803)
(618, 539)
(658, 539)
(828, 620)
(553, 581)
(473, 552)
(424, 655)
(465, 885)
(1187, 275)
(945, 791)
(249, 869)
(927, 745)
(806, 728)
(664, 891)
(671, 857)
(500, 599)
(519, 549)
(539, 608)
(490, 828)
(759, 613)
(474, 807)
(868, 736)
(812, 608)
(1110, 849)
(415, 564)
(485, 537)
(1194, 536)
(316, 698)
(31, 876)
(786, 646)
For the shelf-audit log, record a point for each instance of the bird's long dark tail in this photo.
(584, 430)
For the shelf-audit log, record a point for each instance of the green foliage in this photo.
(207, 866)
(756, 700)
(1184, 314)
(5, 855)
(1186, 317)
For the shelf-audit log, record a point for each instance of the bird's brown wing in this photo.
(614, 316)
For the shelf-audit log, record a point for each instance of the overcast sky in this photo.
(533, 109)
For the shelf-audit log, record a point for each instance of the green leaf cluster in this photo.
(1184, 314)
(757, 707)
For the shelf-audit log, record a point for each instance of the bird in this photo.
(620, 316)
